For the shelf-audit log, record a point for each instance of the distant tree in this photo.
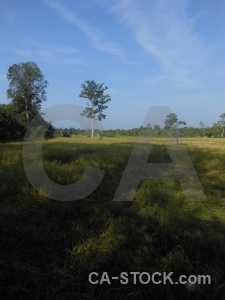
(94, 92)
(149, 126)
(156, 130)
(156, 127)
(172, 123)
(203, 129)
(221, 124)
(27, 88)
(201, 124)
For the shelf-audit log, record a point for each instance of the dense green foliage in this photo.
(27, 88)
(12, 126)
(48, 248)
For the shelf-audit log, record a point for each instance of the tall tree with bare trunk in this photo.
(97, 99)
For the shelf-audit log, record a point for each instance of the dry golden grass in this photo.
(48, 248)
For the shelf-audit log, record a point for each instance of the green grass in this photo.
(48, 248)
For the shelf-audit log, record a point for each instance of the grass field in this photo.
(48, 247)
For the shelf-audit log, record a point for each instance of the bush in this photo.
(66, 133)
(11, 126)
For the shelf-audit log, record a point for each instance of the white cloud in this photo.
(58, 55)
(96, 36)
(164, 29)
(21, 52)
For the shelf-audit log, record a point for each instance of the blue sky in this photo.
(148, 53)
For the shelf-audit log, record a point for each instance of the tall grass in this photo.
(48, 248)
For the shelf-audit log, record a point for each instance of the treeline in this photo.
(213, 131)
(68, 132)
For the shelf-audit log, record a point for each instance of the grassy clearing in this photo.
(48, 247)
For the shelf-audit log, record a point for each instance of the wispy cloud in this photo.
(65, 50)
(21, 52)
(48, 52)
(96, 36)
(63, 55)
(52, 58)
(155, 79)
(166, 31)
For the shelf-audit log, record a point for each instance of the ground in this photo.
(49, 247)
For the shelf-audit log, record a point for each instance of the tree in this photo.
(221, 124)
(156, 127)
(172, 123)
(27, 88)
(202, 130)
(149, 126)
(201, 124)
(94, 92)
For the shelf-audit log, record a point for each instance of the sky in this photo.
(147, 52)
